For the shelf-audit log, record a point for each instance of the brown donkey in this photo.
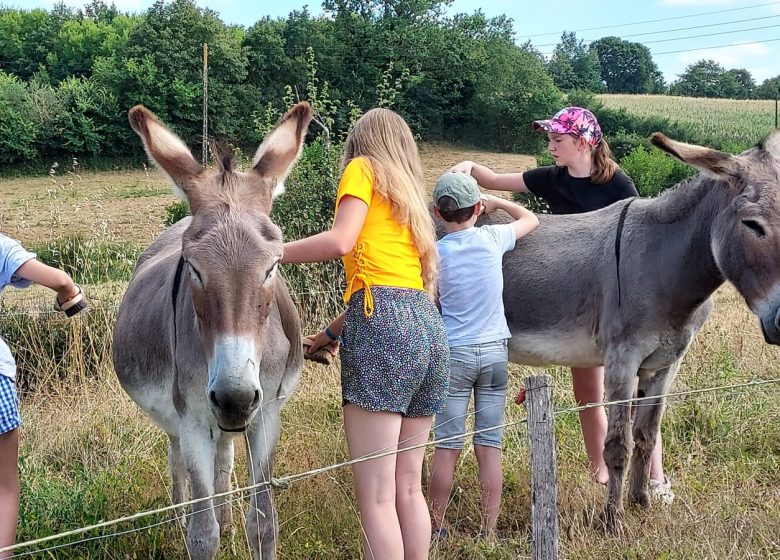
(207, 341)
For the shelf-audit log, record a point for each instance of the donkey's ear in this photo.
(704, 159)
(771, 143)
(282, 147)
(167, 151)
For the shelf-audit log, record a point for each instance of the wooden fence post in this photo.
(544, 480)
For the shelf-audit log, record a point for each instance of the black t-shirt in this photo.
(573, 195)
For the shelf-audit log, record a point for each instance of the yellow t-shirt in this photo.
(384, 254)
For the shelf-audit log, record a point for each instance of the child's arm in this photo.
(334, 243)
(489, 179)
(525, 220)
(68, 293)
(323, 338)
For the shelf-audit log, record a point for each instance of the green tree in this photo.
(769, 88)
(707, 78)
(627, 67)
(162, 67)
(18, 126)
(738, 83)
(574, 66)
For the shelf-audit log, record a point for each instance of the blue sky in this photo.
(747, 32)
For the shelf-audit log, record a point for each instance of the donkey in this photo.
(207, 340)
(628, 286)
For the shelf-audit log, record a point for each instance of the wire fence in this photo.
(284, 482)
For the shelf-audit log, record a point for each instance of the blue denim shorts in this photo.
(397, 359)
(9, 405)
(480, 369)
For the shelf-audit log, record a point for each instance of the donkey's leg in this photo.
(646, 426)
(199, 446)
(223, 469)
(619, 378)
(178, 472)
(261, 517)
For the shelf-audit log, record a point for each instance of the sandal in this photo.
(661, 490)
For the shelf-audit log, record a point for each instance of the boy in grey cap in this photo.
(470, 296)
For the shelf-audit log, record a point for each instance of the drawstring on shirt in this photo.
(360, 274)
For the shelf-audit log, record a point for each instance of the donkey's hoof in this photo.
(640, 498)
(612, 518)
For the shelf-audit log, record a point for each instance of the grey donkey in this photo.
(207, 340)
(629, 286)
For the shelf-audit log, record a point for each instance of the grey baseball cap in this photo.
(461, 187)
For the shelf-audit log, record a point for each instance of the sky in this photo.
(742, 34)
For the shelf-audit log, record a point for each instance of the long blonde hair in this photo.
(385, 140)
(603, 167)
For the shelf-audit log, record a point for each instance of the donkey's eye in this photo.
(757, 228)
(195, 276)
(270, 272)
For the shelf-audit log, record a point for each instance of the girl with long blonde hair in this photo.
(394, 352)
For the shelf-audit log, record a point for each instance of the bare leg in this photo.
(410, 503)
(491, 481)
(9, 488)
(368, 432)
(444, 461)
(588, 384)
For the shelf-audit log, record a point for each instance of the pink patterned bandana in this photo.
(572, 120)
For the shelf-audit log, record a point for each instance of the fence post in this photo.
(544, 480)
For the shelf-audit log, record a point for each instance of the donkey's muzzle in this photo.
(234, 409)
(770, 326)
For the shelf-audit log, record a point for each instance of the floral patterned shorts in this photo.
(398, 359)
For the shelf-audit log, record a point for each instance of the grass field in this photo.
(716, 121)
(88, 454)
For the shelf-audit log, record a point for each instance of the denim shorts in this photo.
(481, 369)
(397, 359)
(9, 405)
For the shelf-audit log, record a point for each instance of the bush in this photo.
(18, 127)
(654, 171)
(89, 261)
(306, 208)
(176, 211)
(623, 143)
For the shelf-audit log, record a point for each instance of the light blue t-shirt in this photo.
(12, 256)
(471, 283)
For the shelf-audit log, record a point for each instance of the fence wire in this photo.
(284, 482)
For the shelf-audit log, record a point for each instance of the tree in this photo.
(627, 67)
(707, 78)
(163, 64)
(769, 88)
(739, 84)
(574, 66)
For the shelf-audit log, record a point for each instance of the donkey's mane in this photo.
(700, 193)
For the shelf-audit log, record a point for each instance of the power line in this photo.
(718, 46)
(763, 18)
(657, 20)
(710, 34)
(699, 48)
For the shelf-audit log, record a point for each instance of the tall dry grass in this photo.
(88, 454)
